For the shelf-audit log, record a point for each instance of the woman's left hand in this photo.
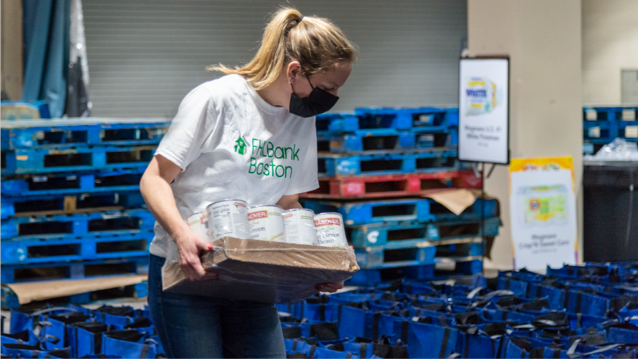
(329, 287)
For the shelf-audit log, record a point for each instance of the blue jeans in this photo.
(192, 326)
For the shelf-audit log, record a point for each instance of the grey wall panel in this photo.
(145, 55)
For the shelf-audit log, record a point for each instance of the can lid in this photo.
(226, 200)
(265, 205)
(299, 210)
(329, 213)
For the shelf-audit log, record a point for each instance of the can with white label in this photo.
(199, 225)
(228, 218)
(266, 223)
(299, 226)
(330, 230)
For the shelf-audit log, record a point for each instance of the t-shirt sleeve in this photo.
(189, 129)
(308, 175)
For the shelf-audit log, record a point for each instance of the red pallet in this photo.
(393, 185)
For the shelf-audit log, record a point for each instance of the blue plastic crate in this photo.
(62, 133)
(115, 180)
(610, 113)
(21, 161)
(30, 250)
(388, 140)
(70, 203)
(600, 131)
(400, 234)
(382, 164)
(78, 225)
(627, 130)
(406, 118)
(379, 257)
(416, 209)
(20, 273)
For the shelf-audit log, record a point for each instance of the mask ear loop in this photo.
(310, 83)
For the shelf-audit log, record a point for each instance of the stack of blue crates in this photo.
(601, 125)
(375, 166)
(71, 206)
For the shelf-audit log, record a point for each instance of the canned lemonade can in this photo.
(299, 226)
(229, 218)
(330, 230)
(266, 223)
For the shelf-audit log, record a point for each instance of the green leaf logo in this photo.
(240, 146)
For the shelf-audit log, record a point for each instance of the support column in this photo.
(543, 40)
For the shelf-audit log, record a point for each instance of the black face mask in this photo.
(319, 101)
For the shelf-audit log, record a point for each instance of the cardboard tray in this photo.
(260, 271)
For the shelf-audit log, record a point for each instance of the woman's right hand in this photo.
(190, 246)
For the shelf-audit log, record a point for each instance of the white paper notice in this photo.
(484, 110)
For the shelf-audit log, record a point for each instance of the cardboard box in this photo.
(267, 272)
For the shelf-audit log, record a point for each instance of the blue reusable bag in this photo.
(553, 295)
(518, 287)
(318, 309)
(477, 345)
(431, 341)
(23, 319)
(86, 338)
(586, 303)
(23, 337)
(128, 344)
(32, 351)
(624, 333)
(54, 328)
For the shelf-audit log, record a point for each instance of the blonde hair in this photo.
(315, 42)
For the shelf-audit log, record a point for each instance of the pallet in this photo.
(81, 132)
(374, 277)
(137, 291)
(406, 118)
(415, 209)
(628, 131)
(379, 257)
(599, 130)
(70, 204)
(115, 180)
(78, 225)
(393, 185)
(387, 140)
(386, 164)
(20, 273)
(610, 113)
(23, 250)
(77, 159)
(406, 234)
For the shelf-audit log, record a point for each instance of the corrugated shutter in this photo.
(145, 55)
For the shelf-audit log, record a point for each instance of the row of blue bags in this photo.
(574, 312)
(76, 332)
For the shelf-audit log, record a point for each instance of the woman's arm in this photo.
(156, 190)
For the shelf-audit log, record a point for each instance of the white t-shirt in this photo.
(231, 144)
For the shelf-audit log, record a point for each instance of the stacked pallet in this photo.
(601, 125)
(71, 206)
(376, 166)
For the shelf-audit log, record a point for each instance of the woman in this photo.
(249, 135)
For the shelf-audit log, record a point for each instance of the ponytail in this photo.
(316, 43)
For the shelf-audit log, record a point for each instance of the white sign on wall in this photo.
(484, 110)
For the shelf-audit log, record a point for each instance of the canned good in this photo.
(330, 230)
(266, 223)
(299, 226)
(199, 225)
(229, 218)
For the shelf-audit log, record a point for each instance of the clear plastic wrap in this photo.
(618, 150)
(261, 271)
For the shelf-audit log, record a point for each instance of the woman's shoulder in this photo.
(225, 87)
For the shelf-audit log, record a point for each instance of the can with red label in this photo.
(198, 223)
(229, 218)
(299, 226)
(330, 230)
(266, 223)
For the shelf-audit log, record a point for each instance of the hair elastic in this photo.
(300, 18)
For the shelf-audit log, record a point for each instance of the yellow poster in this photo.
(543, 212)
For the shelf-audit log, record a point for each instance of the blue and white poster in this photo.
(484, 110)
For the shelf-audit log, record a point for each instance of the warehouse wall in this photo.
(610, 43)
(145, 55)
(543, 39)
